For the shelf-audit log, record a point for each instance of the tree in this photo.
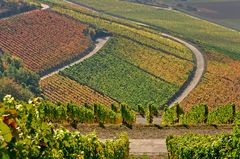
(9, 86)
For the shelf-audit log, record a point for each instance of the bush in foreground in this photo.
(171, 115)
(23, 134)
(198, 115)
(222, 115)
(204, 146)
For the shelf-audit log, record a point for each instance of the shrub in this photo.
(204, 146)
(25, 135)
(171, 115)
(197, 115)
(141, 110)
(151, 111)
(237, 118)
(128, 115)
(222, 115)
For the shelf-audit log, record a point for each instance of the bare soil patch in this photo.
(149, 132)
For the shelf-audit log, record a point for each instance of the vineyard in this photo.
(148, 37)
(167, 67)
(42, 38)
(107, 74)
(221, 84)
(205, 146)
(61, 89)
(132, 59)
(221, 81)
(114, 76)
(206, 34)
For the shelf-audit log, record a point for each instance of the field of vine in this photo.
(114, 76)
(61, 89)
(221, 81)
(42, 38)
(220, 85)
(167, 67)
(165, 56)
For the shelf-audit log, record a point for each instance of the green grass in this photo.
(121, 80)
(208, 35)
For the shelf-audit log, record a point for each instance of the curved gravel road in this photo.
(200, 65)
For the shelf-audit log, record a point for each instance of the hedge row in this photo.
(199, 115)
(96, 113)
(204, 146)
(171, 115)
(78, 114)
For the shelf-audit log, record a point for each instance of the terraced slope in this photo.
(43, 39)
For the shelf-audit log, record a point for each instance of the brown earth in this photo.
(149, 132)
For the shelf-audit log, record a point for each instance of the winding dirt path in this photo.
(100, 43)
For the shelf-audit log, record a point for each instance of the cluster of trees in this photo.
(13, 7)
(17, 80)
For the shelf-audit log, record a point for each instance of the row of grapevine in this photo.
(116, 77)
(96, 113)
(199, 115)
(58, 88)
(42, 38)
(153, 61)
(204, 146)
(149, 112)
(23, 134)
(74, 114)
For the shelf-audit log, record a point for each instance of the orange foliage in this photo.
(61, 89)
(220, 85)
(43, 39)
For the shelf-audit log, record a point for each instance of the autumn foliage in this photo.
(61, 89)
(43, 39)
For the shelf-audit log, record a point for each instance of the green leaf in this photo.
(5, 131)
